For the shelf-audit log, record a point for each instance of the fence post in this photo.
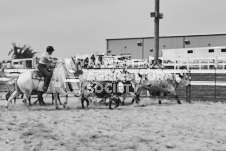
(215, 78)
(187, 99)
(188, 88)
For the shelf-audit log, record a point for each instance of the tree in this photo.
(18, 52)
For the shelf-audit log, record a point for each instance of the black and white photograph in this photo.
(112, 75)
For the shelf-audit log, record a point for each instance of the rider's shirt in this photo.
(45, 59)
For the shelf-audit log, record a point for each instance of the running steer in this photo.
(160, 82)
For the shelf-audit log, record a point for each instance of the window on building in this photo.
(211, 50)
(190, 51)
(29, 64)
(223, 50)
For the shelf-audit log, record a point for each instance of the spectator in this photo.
(86, 62)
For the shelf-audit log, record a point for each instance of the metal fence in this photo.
(207, 85)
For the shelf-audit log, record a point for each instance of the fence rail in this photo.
(205, 83)
(195, 63)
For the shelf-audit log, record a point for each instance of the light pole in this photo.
(157, 16)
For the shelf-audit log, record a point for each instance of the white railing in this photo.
(194, 63)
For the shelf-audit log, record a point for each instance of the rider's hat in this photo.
(49, 49)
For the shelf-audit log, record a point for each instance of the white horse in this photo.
(26, 83)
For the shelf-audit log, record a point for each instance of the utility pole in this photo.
(157, 16)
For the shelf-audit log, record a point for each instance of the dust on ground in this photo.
(143, 127)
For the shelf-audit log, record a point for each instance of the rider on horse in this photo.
(43, 66)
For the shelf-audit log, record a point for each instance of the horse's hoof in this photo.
(77, 95)
(6, 108)
(57, 108)
(64, 105)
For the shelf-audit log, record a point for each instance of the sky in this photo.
(82, 26)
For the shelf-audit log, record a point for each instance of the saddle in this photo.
(37, 75)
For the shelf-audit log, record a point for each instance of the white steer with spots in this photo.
(160, 82)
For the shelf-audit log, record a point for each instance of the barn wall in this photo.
(119, 47)
(129, 45)
(206, 41)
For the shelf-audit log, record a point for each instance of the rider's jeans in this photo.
(46, 73)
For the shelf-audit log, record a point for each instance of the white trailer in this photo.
(200, 52)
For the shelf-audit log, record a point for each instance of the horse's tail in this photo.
(16, 88)
(11, 75)
(2, 74)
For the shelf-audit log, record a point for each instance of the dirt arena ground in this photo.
(200, 126)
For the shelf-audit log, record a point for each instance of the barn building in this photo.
(143, 47)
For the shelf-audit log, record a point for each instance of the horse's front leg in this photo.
(58, 97)
(7, 95)
(55, 98)
(29, 100)
(66, 98)
(64, 93)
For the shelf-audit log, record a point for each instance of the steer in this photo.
(107, 89)
(162, 83)
(95, 89)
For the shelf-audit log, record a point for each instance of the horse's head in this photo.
(73, 66)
